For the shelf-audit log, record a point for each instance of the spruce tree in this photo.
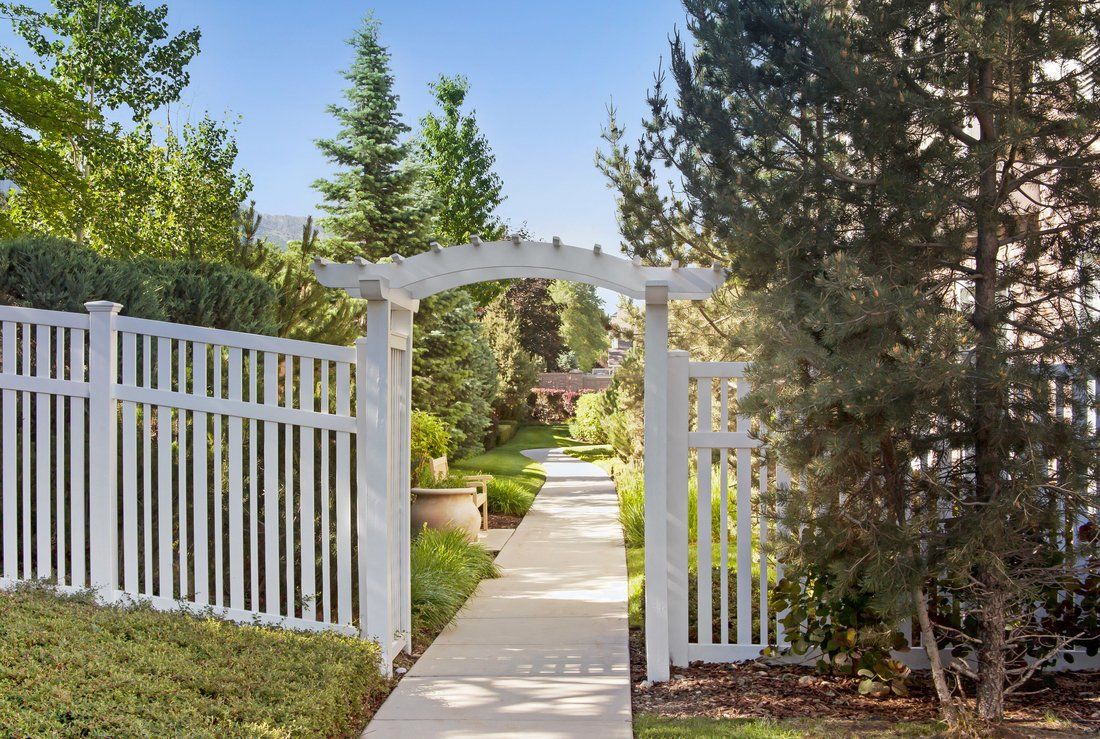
(908, 195)
(374, 202)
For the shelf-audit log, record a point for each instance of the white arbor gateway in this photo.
(393, 291)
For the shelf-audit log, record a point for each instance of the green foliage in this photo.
(454, 373)
(648, 726)
(517, 369)
(539, 319)
(509, 497)
(583, 323)
(179, 199)
(507, 462)
(34, 108)
(306, 310)
(626, 427)
(458, 170)
(445, 570)
(430, 439)
(505, 431)
(907, 196)
(374, 203)
(592, 412)
(630, 485)
(59, 275)
(853, 638)
(70, 667)
(114, 55)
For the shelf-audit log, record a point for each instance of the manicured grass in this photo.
(69, 667)
(647, 726)
(518, 478)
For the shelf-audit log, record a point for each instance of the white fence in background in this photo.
(732, 619)
(208, 468)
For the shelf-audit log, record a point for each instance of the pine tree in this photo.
(454, 372)
(374, 202)
(908, 195)
(517, 369)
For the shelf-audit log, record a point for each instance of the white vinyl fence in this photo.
(732, 618)
(176, 464)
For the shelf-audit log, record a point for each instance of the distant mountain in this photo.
(281, 230)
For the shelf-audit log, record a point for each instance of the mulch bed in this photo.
(757, 690)
(502, 521)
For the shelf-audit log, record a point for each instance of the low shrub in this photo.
(553, 405)
(505, 431)
(509, 497)
(590, 417)
(630, 483)
(55, 274)
(445, 570)
(69, 667)
(430, 438)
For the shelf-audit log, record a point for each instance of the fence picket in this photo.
(200, 478)
(744, 525)
(326, 545)
(78, 576)
(723, 515)
(306, 496)
(129, 469)
(288, 483)
(28, 538)
(165, 586)
(271, 488)
(181, 465)
(704, 495)
(343, 498)
(236, 485)
(43, 504)
(59, 460)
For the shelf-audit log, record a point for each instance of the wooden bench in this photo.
(441, 469)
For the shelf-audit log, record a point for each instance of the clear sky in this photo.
(541, 76)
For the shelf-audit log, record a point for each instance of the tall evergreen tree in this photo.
(458, 169)
(374, 202)
(908, 194)
(517, 369)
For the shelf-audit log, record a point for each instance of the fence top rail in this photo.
(38, 316)
(730, 370)
(237, 339)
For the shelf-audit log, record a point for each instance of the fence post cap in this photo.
(102, 306)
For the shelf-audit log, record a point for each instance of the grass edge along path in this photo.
(517, 479)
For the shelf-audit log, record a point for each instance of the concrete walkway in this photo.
(542, 651)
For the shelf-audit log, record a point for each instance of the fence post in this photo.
(103, 430)
(678, 507)
(374, 436)
(656, 481)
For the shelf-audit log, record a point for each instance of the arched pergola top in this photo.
(445, 268)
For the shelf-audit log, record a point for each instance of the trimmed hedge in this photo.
(56, 274)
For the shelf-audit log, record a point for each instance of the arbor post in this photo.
(656, 481)
(373, 439)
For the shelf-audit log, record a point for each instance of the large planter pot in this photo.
(445, 508)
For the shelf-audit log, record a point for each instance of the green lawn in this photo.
(69, 667)
(515, 474)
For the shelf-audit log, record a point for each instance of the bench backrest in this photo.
(440, 468)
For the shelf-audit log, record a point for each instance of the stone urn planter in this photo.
(445, 508)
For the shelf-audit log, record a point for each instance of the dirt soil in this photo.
(503, 521)
(757, 690)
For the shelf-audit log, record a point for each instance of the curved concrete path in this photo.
(540, 652)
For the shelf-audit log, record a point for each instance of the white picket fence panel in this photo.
(733, 618)
(200, 468)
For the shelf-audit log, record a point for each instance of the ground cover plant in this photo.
(70, 667)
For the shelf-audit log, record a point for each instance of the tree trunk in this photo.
(988, 395)
(991, 653)
(935, 663)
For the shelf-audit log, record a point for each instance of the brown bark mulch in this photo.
(758, 690)
(503, 521)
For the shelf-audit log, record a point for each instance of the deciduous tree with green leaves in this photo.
(583, 321)
(113, 55)
(517, 369)
(457, 163)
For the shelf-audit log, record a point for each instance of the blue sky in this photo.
(541, 76)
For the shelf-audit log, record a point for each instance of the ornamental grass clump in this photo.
(509, 497)
(445, 571)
